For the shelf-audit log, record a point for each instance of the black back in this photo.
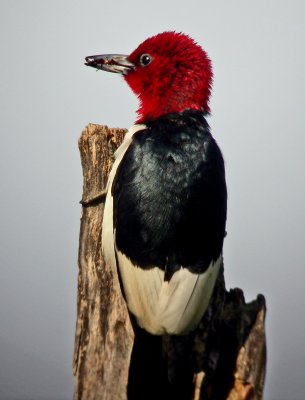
(170, 195)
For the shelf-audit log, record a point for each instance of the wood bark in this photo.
(223, 359)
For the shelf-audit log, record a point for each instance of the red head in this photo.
(169, 73)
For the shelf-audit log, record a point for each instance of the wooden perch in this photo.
(223, 359)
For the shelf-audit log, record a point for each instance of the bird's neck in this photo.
(153, 108)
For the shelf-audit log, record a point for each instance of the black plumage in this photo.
(170, 195)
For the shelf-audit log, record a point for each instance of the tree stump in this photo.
(223, 359)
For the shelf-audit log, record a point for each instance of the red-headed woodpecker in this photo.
(165, 211)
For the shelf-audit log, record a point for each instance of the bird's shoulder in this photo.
(176, 145)
(180, 133)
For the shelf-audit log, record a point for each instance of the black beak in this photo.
(111, 62)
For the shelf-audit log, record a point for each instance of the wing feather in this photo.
(173, 307)
(167, 307)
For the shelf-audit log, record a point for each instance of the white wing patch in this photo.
(174, 307)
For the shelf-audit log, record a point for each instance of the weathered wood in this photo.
(223, 359)
(104, 335)
(251, 360)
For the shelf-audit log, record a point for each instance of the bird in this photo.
(165, 211)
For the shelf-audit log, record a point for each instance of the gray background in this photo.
(47, 98)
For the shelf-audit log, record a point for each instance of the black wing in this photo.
(170, 196)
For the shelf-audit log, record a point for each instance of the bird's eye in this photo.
(145, 59)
